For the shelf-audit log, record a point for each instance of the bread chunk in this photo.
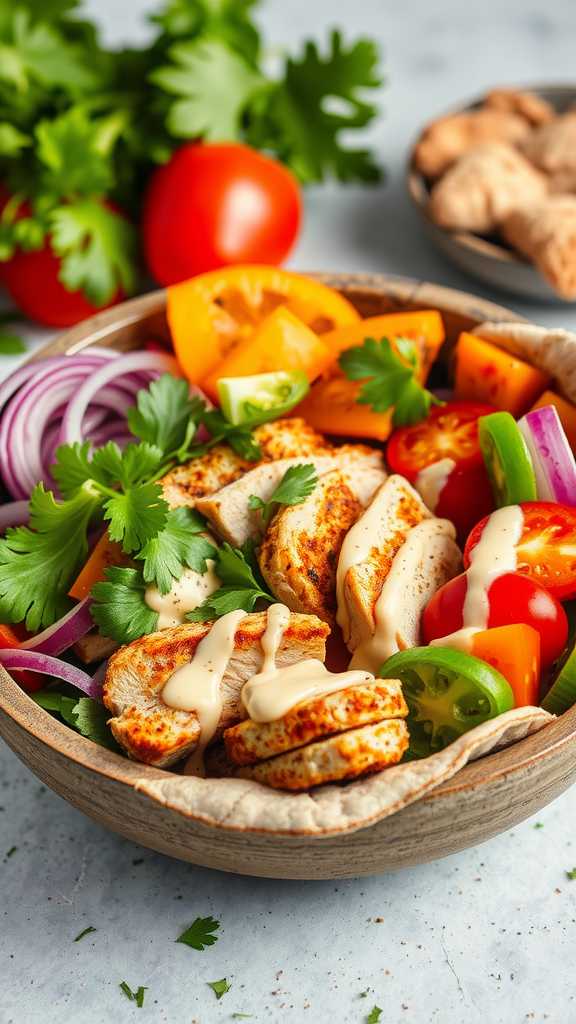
(483, 187)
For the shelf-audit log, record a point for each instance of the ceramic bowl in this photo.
(493, 263)
(484, 798)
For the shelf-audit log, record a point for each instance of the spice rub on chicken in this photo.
(281, 439)
(150, 730)
(299, 553)
(228, 511)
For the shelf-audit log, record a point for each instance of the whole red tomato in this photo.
(31, 279)
(213, 205)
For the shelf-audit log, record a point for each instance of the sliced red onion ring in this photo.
(100, 674)
(62, 634)
(552, 457)
(18, 659)
(71, 429)
(14, 513)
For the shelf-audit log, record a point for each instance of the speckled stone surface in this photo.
(486, 936)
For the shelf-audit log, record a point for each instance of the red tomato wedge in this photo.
(512, 600)
(448, 432)
(547, 548)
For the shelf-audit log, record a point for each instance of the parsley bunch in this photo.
(390, 378)
(82, 127)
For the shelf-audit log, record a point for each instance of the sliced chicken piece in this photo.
(300, 550)
(344, 756)
(368, 557)
(350, 708)
(221, 465)
(229, 515)
(151, 731)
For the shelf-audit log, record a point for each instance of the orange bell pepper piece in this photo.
(515, 652)
(107, 552)
(212, 313)
(485, 373)
(281, 342)
(566, 412)
(331, 407)
(424, 327)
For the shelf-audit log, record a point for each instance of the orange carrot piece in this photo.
(515, 652)
(331, 408)
(281, 342)
(566, 412)
(107, 552)
(485, 373)
(424, 327)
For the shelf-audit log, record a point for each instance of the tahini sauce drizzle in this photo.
(494, 555)
(374, 651)
(196, 686)
(273, 692)
(184, 596)
(431, 481)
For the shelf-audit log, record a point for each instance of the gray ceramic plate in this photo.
(495, 264)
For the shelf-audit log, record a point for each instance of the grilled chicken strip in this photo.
(344, 756)
(300, 550)
(227, 510)
(151, 731)
(281, 439)
(350, 708)
(367, 558)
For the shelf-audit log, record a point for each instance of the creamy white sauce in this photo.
(494, 555)
(432, 480)
(273, 692)
(375, 650)
(186, 594)
(196, 686)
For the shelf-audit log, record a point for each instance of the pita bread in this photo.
(247, 806)
(552, 350)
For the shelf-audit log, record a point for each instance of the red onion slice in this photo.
(18, 659)
(71, 429)
(552, 458)
(62, 634)
(14, 513)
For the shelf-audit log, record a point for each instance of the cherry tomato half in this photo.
(213, 205)
(547, 549)
(448, 432)
(513, 599)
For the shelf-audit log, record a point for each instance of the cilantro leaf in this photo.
(374, 1015)
(12, 140)
(240, 438)
(52, 700)
(92, 722)
(73, 468)
(164, 413)
(130, 468)
(137, 516)
(227, 20)
(241, 586)
(11, 344)
(120, 611)
(198, 935)
(293, 117)
(178, 544)
(85, 932)
(220, 987)
(38, 53)
(295, 486)
(39, 563)
(390, 378)
(97, 247)
(136, 997)
(215, 83)
(70, 148)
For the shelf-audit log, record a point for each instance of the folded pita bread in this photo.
(552, 350)
(247, 806)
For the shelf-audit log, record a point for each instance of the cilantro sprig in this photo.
(295, 486)
(200, 934)
(242, 584)
(390, 378)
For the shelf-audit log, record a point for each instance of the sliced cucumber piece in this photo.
(249, 401)
(507, 459)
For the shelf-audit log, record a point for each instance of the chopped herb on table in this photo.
(390, 378)
(571, 874)
(11, 851)
(220, 987)
(137, 997)
(199, 934)
(85, 932)
(374, 1015)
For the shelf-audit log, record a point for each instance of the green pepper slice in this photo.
(507, 459)
(562, 694)
(447, 693)
(251, 401)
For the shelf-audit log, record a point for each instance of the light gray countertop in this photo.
(485, 936)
